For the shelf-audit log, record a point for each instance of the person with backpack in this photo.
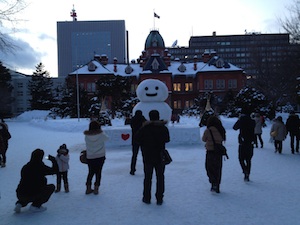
(245, 124)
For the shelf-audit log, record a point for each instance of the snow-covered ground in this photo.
(271, 197)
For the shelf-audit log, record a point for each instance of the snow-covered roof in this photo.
(135, 69)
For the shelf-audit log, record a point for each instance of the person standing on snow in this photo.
(4, 137)
(95, 153)
(246, 139)
(258, 130)
(136, 123)
(213, 161)
(152, 137)
(278, 132)
(293, 128)
(62, 159)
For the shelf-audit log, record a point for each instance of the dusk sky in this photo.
(179, 20)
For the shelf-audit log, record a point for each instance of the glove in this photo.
(51, 158)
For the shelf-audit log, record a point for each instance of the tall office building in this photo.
(240, 50)
(79, 41)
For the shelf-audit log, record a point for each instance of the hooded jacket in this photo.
(94, 140)
(33, 174)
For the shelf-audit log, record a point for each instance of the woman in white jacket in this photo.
(95, 153)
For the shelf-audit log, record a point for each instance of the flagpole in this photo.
(154, 18)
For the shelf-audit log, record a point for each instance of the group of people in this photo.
(151, 136)
(279, 132)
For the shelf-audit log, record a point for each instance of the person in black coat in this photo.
(152, 137)
(33, 185)
(4, 137)
(136, 123)
(246, 140)
(293, 127)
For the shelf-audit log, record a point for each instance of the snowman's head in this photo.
(152, 90)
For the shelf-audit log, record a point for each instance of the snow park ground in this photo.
(271, 196)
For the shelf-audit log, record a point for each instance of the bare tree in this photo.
(9, 10)
(291, 23)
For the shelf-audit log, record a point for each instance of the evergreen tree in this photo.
(5, 92)
(40, 88)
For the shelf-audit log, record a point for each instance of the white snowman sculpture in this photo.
(152, 94)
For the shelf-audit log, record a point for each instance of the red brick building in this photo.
(185, 80)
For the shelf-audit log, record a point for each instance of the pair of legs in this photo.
(278, 146)
(38, 199)
(258, 137)
(294, 138)
(95, 168)
(245, 156)
(62, 176)
(160, 181)
(213, 166)
(3, 158)
(135, 151)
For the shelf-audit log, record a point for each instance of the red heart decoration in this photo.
(125, 136)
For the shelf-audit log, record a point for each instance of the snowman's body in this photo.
(152, 95)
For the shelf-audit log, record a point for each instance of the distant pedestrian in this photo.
(278, 132)
(4, 137)
(136, 123)
(246, 139)
(258, 130)
(95, 140)
(152, 137)
(293, 128)
(33, 185)
(213, 162)
(62, 159)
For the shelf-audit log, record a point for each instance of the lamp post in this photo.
(77, 90)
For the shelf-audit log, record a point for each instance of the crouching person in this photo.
(33, 185)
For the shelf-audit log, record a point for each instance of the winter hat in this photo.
(63, 149)
(154, 115)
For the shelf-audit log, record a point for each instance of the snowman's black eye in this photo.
(156, 88)
(146, 88)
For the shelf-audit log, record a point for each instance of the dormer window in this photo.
(219, 63)
(128, 69)
(182, 68)
(92, 66)
(155, 64)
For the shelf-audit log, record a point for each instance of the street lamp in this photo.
(77, 88)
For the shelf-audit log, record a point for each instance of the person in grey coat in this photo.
(258, 130)
(278, 132)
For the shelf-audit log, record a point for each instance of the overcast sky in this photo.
(36, 35)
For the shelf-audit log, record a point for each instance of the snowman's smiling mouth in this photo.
(151, 95)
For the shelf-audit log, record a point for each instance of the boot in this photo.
(89, 189)
(96, 189)
(57, 188)
(66, 185)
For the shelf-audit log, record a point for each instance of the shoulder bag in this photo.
(219, 148)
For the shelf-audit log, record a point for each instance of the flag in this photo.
(157, 16)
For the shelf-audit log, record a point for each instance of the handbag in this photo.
(274, 133)
(82, 157)
(219, 148)
(166, 158)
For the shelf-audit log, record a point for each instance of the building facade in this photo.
(79, 41)
(241, 50)
(185, 80)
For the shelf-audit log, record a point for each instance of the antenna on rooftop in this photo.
(174, 44)
(73, 14)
